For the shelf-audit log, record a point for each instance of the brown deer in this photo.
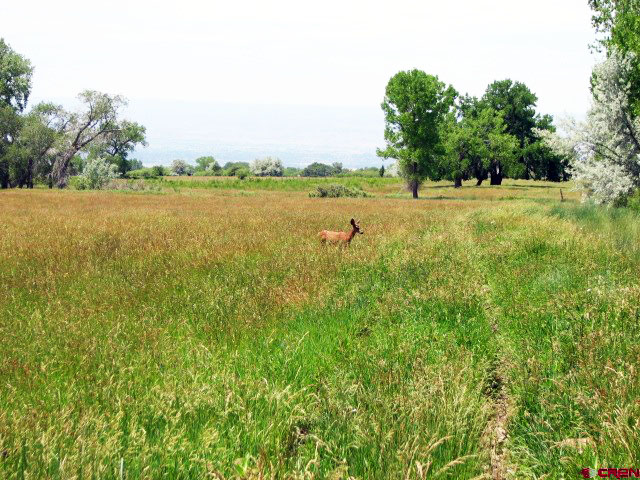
(341, 238)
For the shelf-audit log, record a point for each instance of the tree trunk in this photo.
(414, 182)
(458, 182)
(60, 170)
(479, 182)
(496, 178)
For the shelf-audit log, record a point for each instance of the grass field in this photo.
(203, 332)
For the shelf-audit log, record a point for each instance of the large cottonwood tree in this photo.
(415, 108)
(98, 122)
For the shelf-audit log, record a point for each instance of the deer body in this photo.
(342, 238)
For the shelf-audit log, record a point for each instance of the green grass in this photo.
(199, 333)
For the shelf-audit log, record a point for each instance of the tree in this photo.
(135, 164)
(415, 106)
(117, 145)
(267, 167)
(516, 102)
(231, 168)
(41, 130)
(479, 146)
(292, 172)
(605, 149)
(381, 171)
(619, 22)
(337, 168)
(180, 167)
(207, 164)
(15, 87)
(15, 78)
(317, 169)
(97, 123)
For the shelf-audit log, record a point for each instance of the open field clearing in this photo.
(203, 332)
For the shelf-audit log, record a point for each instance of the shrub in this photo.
(337, 190)
(97, 173)
(159, 171)
(230, 169)
(142, 173)
(267, 167)
(78, 183)
(318, 170)
(242, 173)
(632, 201)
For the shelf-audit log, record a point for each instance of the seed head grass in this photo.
(205, 332)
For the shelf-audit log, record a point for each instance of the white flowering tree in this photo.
(605, 149)
(267, 167)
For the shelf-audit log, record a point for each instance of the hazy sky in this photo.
(182, 63)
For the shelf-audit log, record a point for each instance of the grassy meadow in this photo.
(201, 331)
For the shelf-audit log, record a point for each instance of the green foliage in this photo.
(381, 171)
(15, 78)
(366, 172)
(207, 166)
(78, 182)
(160, 171)
(478, 146)
(230, 169)
(153, 172)
(415, 107)
(291, 172)
(242, 173)
(317, 169)
(15, 87)
(337, 191)
(516, 103)
(117, 145)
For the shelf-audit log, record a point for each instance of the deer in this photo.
(341, 238)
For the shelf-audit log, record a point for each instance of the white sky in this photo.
(187, 55)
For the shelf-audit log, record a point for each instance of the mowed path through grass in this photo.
(208, 333)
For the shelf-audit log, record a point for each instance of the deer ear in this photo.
(353, 222)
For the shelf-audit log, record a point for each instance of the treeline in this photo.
(434, 133)
(260, 167)
(49, 143)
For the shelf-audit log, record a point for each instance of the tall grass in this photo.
(202, 333)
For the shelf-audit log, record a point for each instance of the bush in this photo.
(143, 173)
(242, 173)
(230, 169)
(267, 167)
(78, 183)
(97, 173)
(318, 170)
(632, 201)
(292, 172)
(336, 191)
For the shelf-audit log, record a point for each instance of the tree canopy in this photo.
(415, 107)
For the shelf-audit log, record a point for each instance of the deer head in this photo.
(356, 226)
